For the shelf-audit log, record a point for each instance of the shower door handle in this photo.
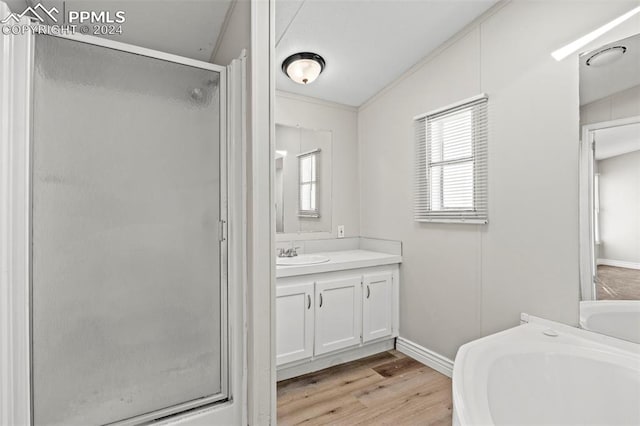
(222, 230)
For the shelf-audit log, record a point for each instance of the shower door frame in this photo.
(225, 305)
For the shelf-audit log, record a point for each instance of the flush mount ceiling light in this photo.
(606, 56)
(304, 67)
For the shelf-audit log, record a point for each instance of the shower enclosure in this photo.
(126, 254)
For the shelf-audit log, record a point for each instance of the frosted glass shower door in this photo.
(128, 288)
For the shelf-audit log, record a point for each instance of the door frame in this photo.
(586, 178)
(15, 134)
(16, 93)
(261, 222)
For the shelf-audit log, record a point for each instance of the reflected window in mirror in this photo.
(303, 180)
(308, 184)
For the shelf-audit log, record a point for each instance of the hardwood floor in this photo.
(384, 389)
(614, 283)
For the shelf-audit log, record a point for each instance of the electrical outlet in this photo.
(340, 231)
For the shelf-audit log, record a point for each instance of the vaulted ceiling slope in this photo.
(367, 44)
(188, 28)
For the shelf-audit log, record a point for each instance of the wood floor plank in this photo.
(326, 383)
(332, 374)
(414, 401)
(388, 388)
(422, 410)
(397, 367)
(398, 387)
(437, 415)
(615, 283)
(335, 415)
(426, 407)
(309, 404)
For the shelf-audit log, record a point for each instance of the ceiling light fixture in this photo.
(574, 46)
(304, 67)
(606, 56)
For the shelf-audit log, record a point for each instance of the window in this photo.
(308, 184)
(451, 163)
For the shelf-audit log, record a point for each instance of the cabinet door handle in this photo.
(321, 300)
(368, 291)
(308, 301)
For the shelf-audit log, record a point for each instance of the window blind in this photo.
(451, 163)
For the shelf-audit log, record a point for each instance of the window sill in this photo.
(464, 221)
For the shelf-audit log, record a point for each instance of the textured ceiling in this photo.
(366, 43)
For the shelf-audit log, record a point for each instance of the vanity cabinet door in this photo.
(294, 322)
(377, 302)
(338, 314)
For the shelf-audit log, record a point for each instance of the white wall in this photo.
(341, 120)
(460, 282)
(620, 207)
(619, 105)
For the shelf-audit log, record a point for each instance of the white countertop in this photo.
(340, 261)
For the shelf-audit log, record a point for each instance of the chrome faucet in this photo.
(291, 252)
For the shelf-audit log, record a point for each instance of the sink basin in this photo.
(304, 259)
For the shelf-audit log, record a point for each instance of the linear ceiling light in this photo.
(574, 46)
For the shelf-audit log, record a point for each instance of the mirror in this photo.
(610, 189)
(302, 180)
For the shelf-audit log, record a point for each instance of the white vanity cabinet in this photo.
(325, 318)
(377, 309)
(338, 319)
(294, 322)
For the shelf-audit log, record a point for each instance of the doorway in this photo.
(610, 210)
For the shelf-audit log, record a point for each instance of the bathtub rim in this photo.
(587, 307)
(597, 304)
(461, 414)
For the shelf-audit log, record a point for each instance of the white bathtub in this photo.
(523, 377)
(617, 318)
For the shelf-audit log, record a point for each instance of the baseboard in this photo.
(429, 358)
(618, 263)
